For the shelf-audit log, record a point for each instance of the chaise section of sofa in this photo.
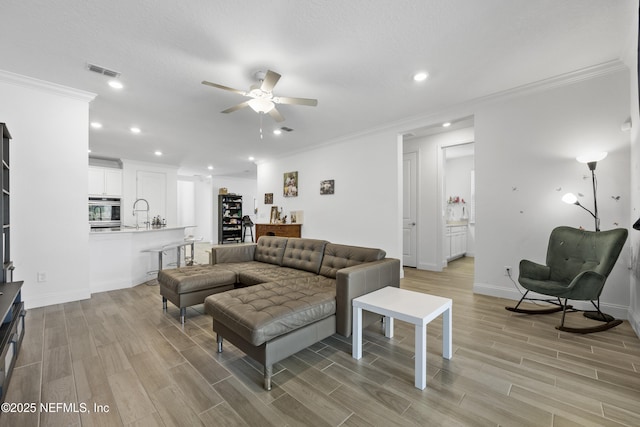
(295, 300)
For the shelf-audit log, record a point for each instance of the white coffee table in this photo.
(409, 306)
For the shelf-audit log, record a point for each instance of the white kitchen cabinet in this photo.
(455, 241)
(105, 181)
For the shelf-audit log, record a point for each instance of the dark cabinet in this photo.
(11, 306)
(229, 218)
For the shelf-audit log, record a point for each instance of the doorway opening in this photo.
(435, 217)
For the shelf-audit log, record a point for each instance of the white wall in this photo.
(631, 59)
(525, 161)
(49, 169)
(365, 209)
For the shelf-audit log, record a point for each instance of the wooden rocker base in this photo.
(599, 328)
(537, 311)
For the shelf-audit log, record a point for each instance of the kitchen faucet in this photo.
(135, 212)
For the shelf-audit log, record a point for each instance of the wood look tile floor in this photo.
(132, 364)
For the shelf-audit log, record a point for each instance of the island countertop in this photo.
(132, 229)
(127, 256)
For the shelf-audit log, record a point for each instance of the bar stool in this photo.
(247, 224)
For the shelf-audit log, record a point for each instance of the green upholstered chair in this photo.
(577, 266)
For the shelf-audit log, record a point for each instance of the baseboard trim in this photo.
(43, 300)
(617, 311)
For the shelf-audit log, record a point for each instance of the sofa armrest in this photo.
(235, 253)
(361, 279)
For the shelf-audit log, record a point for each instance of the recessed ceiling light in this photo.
(115, 84)
(96, 125)
(210, 167)
(446, 125)
(158, 153)
(421, 76)
(277, 132)
(251, 158)
(135, 130)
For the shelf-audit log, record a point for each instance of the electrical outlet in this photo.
(507, 270)
(42, 277)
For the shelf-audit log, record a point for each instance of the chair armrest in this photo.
(586, 286)
(236, 253)
(534, 271)
(361, 279)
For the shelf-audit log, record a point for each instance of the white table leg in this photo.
(356, 335)
(421, 357)
(388, 327)
(447, 324)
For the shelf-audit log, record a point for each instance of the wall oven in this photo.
(104, 212)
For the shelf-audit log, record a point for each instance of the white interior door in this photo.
(152, 186)
(409, 210)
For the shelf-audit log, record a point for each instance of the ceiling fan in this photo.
(262, 98)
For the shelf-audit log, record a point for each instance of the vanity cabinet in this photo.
(105, 181)
(455, 241)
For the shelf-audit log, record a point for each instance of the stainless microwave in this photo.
(104, 212)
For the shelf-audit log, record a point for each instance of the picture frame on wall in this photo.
(290, 184)
(327, 186)
(273, 218)
(268, 198)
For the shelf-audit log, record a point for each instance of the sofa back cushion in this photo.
(270, 249)
(337, 257)
(304, 254)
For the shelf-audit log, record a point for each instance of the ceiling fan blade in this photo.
(230, 89)
(295, 101)
(270, 80)
(275, 114)
(236, 107)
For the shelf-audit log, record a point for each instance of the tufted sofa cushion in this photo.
(195, 278)
(337, 257)
(262, 312)
(263, 275)
(304, 254)
(270, 249)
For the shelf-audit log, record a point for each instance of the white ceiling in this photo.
(356, 57)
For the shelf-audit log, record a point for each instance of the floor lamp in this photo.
(591, 160)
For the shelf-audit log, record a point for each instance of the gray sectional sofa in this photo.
(293, 292)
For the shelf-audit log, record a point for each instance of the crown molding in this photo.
(29, 82)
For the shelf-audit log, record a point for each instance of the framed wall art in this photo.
(290, 187)
(327, 186)
(268, 198)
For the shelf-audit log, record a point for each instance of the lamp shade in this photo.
(592, 157)
(570, 198)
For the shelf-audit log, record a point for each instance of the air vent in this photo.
(104, 71)
(286, 129)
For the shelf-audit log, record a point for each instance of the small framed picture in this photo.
(268, 198)
(327, 186)
(290, 188)
(275, 215)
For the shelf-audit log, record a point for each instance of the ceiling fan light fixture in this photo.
(261, 105)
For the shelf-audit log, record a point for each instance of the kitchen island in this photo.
(126, 256)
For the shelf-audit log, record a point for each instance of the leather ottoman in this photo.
(187, 286)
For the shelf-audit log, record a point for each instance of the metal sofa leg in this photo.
(164, 303)
(183, 314)
(267, 377)
(219, 341)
